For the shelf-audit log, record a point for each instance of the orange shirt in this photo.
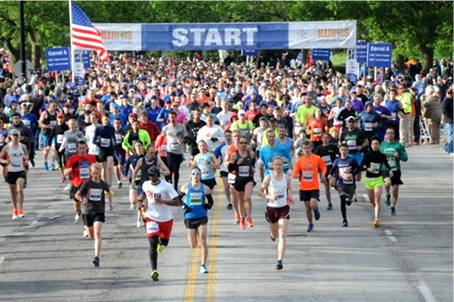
(317, 128)
(308, 168)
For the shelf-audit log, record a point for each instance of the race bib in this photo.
(152, 227)
(392, 162)
(317, 131)
(376, 166)
(105, 142)
(394, 115)
(72, 148)
(195, 198)
(118, 139)
(243, 171)
(139, 175)
(205, 170)
(60, 138)
(307, 176)
(231, 178)
(164, 149)
(270, 166)
(26, 123)
(95, 194)
(16, 162)
(351, 144)
(279, 192)
(84, 169)
(368, 127)
(53, 123)
(344, 173)
(327, 160)
(174, 141)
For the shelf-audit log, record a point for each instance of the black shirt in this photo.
(95, 194)
(376, 160)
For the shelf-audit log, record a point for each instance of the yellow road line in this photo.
(211, 286)
(192, 275)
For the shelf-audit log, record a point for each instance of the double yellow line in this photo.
(193, 268)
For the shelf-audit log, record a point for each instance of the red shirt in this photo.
(82, 172)
(152, 129)
(251, 114)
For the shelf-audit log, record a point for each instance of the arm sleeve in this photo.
(125, 144)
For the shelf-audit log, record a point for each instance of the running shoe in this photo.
(120, 185)
(345, 223)
(63, 179)
(387, 200)
(242, 224)
(376, 223)
(96, 261)
(348, 201)
(32, 162)
(133, 206)
(392, 212)
(203, 269)
(330, 206)
(20, 213)
(229, 206)
(317, 214)
(46, 166)
(52, 167)
(249, 222)
(155, 275)
(354, 198)
(67, 188)
(14, 214)
(160, 248)
(139, 224)
(237, 219)
(85, 233)
(279, 265)
(272, 238)
(77, 218)
(310, 227)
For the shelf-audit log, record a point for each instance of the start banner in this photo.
(229, 36)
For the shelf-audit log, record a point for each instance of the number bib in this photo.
(60, 138)
(307, 176)
(105, 142)
(152, 227)
(16, 163)
(376, 166)
(393, 115)
(327, 160)
(195, 198)
(53, 123)
(26, 123)
(205, 170)
(118, 139)
(72, 148)
(279, 192)
(270, 167)
(174, 141)
(243, 171)
(368, 127)
(392, 162)
(164, 149)
(84, 169)
(317, 131)
(231, 178)
(351, 144)
(95, 194)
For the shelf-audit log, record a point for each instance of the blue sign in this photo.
(58, 59)
(321, 54)
(353, 77)
(250, 52)
(215, 36)
(299, 58)
(361, 52)
(379, 55)
(86, 58)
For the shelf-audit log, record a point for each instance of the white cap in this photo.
(241, 112)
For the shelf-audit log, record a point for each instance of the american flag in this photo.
(85, 35)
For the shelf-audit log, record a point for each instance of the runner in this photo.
(206, 162)
(373, 182)
(193, 127)
(17, 162)
(277, 213)
(59, 132)
(196, 203)
(395, 153)
(316, 126)
(104, 138)
(91, 193)
(224, 172)
(3, 143)
(342, 177)
(268, 152)
(47, 121)
(307, 170)
(328, 152)
(90, 134)
(154, 202)
(243, 162)
(79, 167)
(119, 153)
(212, 134)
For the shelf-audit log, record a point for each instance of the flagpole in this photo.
(71, 37)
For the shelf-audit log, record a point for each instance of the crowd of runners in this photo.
(138, 120)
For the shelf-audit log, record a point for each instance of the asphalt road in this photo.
(44, 257)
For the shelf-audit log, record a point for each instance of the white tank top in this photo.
(16, 156)
(278, 187)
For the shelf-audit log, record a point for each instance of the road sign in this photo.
(58, 58)
(78, 70)
(321, 54)
(379, 54)
(250, 52)
(28, 68)
(86, 58)
(353, 77)
(361, 52)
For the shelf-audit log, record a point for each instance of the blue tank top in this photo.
(207, 170)
(195, 199)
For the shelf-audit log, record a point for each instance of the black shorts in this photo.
(119, 158)
(3, 165)
(89, 219)
(395, 180)
(223, 173)
(209, 182)
(308, 195)
(12, 177)
(273, 215)
(194, 223)
(72, 193)
(104, 155)
(241, 184)
(347, 191)
(194, 151)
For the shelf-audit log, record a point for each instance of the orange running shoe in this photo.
(14, 214)
(242, 225)
(249, 222)
(21, 214)
(376, 223)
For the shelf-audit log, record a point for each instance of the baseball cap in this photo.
(116, 106)
(60, 115)
(350, 118)
(14, 132)
(134, 115)
(241, 112)
(124, 96)
(272, 120)
(153, 171)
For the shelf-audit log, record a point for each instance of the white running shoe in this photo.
(77, 218)
(139, 224)
(67, 188)
(85, 233)
(133, 206)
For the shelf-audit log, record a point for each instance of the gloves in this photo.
(207, 206)
(214, 139)
(76, 164)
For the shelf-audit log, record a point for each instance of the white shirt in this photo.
(165, 191)
(278, 187)
(89, 134)
(206, 133)
(224, 118)
(186, 112)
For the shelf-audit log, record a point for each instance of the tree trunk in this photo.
(36, 50)
(14, 54)
(400, 62)
(427, 55)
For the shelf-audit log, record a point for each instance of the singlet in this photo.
(16, 156)
(244, 131)
(244, 171)
(207, 170)
(278, 187)
(50, 120)
(288, 147)
(145, 166)
(195, 199)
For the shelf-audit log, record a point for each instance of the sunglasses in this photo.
(243, 143)
(195, 173)
(351, 121)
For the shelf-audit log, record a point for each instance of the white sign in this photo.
(120, 36)
(350, 66)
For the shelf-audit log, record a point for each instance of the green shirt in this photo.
(388, 150)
